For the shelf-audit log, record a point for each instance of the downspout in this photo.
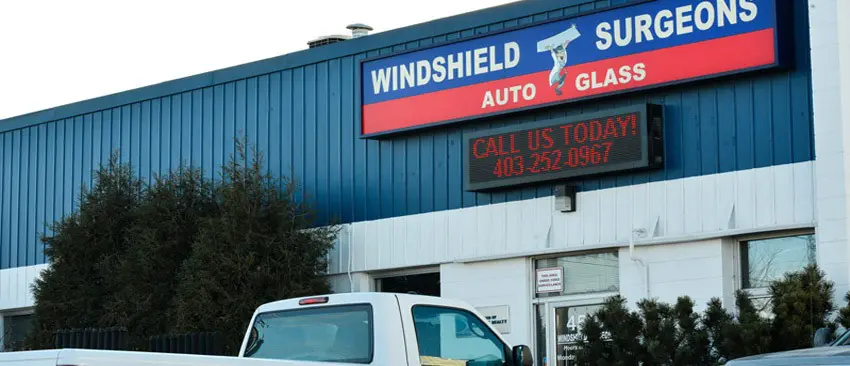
(639, 260)
(350, 260)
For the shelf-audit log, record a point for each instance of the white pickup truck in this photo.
(333, 330)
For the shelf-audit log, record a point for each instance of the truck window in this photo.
(324, 334)
(449, 336)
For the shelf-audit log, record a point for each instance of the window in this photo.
(447, 336)
(540, 326)
(420, 284)
(766, 260)
(585, 274)
(328, 334)
(15, 330)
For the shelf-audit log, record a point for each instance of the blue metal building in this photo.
(739, 152)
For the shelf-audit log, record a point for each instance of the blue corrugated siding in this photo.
(303, 119)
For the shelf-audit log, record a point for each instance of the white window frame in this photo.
(569, 297)
(761, 293)
(548, 302)
(10, 313)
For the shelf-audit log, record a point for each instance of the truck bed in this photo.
(73, 357)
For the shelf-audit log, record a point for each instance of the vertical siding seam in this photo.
(55, 165)
(13, 175)
(717, 127)
(79, 149)
(2, 195)
(117, 124)
(40, 193)
(90, 148)
(773, 139)
(14, 199)
(245, 117)
(326, 147)
(771, 117)
(751, 101)
(268, 114)
(130, 134)
(35, 185)
(73, 163)
(312, 140)
(38, 185)
(200, 133)
(291, 123)
(13, 260)
(280, 120)
(191, 131)
(24, 197)
(339, 152)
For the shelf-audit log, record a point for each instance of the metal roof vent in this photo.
(326, 40)
(359, 30)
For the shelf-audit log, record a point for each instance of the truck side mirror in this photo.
(522, 356)
(821, 338)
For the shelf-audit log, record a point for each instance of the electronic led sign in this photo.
(611, 141)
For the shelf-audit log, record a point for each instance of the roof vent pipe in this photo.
(359, 30)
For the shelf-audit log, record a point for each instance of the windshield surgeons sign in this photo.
(615, 140)
(626, 48)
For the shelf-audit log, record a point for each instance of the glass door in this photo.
(563, 324)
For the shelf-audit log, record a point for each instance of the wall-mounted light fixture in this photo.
(565, 198)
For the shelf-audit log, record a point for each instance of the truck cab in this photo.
(357, 328)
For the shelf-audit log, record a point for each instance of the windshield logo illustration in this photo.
(557, 46)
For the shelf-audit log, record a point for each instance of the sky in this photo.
(56, 52)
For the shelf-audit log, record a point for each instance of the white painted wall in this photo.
(699, 269)
(357, 282)
(830, 53)
(696, 208)
(683, 210)
(494, 283)
(15, 286)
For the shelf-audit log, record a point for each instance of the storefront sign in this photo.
(609, 141)
(550, 280)
(625, 48)
(498, 316)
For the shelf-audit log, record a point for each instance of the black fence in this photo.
(209, 343)
(88, 338)
(117, 339)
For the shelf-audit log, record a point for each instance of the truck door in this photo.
(446, 335)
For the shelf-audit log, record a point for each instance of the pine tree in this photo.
(751, 334)
(624, 330)
(718, 323)
(801, 302)
(73, 291)
(145, 277)
(843, 318)
(659, 332)
(692, 344)
(592, 348)
(264, 246)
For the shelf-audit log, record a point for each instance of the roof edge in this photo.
(350, 47)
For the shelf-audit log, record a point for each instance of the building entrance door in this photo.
(564, 319)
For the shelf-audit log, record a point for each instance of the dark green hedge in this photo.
(658, 333)
(181, 253)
